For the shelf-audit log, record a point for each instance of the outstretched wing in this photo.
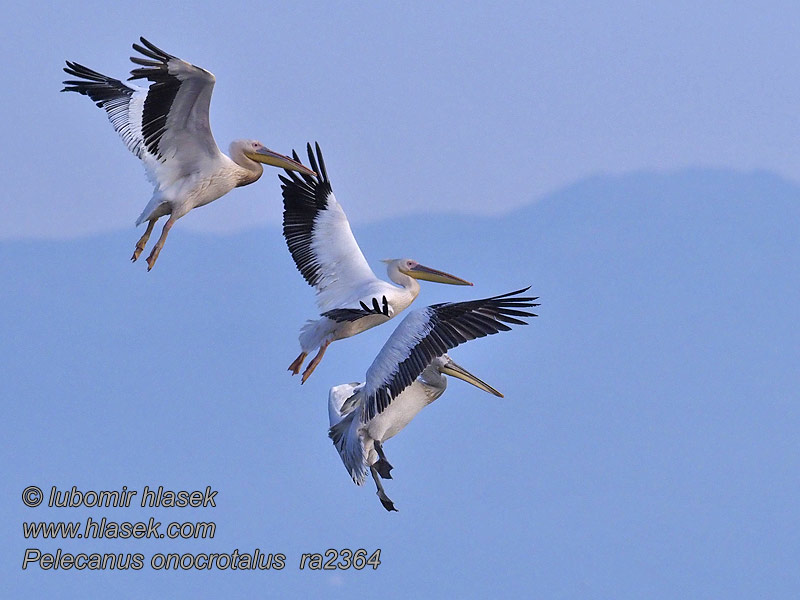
(430, 332)
(166, 124)
(123, 104)
(319, 237)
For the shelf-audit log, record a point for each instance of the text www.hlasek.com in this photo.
(105, 529)
(167, 559)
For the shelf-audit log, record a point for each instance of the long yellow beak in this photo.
(268, 157)
(428, 274)
(461, 373)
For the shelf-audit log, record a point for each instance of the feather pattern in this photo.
(123, 104)
(166, 120)
(344, 430)
(319, 237)
(346, 315)
(166, 125)
(430, 332)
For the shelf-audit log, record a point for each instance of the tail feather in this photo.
(153, 209)
(350, 445)
(314, 333)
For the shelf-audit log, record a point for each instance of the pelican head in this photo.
(255, 150)
(445, 365)
(413, 269)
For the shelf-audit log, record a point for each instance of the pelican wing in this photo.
(123, 105)
(430, 332)
(344, 430)
(344, 315)
(337, 396)
(166, 124)
(319, 238)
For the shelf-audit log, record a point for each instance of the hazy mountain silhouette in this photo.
(647, 445)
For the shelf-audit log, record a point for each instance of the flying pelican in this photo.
(408, 374)
(166, 126)
(351, 299)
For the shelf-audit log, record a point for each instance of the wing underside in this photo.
(165, 124)
(430, 332)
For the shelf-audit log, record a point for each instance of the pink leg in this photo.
(151, 260)
(314, 362)
(298, 362)
(143, 240)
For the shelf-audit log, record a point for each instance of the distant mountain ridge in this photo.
(650, 415)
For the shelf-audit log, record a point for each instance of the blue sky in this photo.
(636, 165)
(475, 108)
(646, 445)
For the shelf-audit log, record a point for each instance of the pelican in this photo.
(166, 126)
(351, 299)
(408, 374)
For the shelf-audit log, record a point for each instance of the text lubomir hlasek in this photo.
(151, 498)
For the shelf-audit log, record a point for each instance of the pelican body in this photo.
(409, 374)
(166, 125)
(426, 389)
(350, 297)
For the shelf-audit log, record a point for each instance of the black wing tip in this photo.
(316, 187)
(313, 160)
(514, 293)
(78, 70)
(157, 64)
(509, 300)
(317, 163)
(284, 180)
(323, 172)
(150, 49)
(94, 84)
(512, 299)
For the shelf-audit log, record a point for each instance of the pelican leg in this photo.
(151, 260)
(143, 240)
(314, 362)
(382, 465)
(298, 362)
(385, 500)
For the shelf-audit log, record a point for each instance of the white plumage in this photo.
(351, 299)
(407, 375)
(166, 126)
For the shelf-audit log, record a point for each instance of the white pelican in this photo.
(166, 126)
(408, 374)
(350, 297)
